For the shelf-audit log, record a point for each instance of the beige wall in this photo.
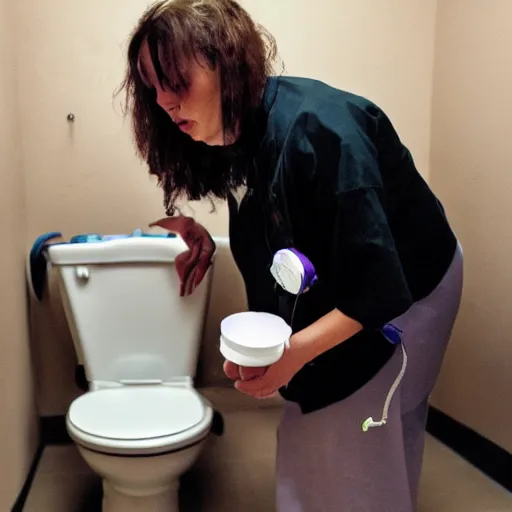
(85, 177)
(18, 425)
(472, 170)
(381, 50)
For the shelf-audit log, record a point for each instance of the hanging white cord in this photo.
(369, 423)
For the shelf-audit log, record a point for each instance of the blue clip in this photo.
(392, 333)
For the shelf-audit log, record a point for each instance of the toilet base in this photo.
(141, 484)
(115, 500)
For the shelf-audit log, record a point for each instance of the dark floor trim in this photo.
(23, 495)
(488, 457)
(54, 431)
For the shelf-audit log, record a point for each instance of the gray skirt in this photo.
(326, 463)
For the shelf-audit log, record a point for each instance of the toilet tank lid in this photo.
(118, 250)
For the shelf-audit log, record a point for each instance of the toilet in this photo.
(142, 424)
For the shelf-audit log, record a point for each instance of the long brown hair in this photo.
(223, 33)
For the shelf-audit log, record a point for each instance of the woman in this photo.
(307, 166)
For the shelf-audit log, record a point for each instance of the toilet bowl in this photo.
(142, 424)
(140, 440)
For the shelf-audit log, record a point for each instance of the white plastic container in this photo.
(253, 339)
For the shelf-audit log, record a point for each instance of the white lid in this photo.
(250, 357)
(136, 413)
(123, 250)
(255, 330)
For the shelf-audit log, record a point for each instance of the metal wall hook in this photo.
(71, 118)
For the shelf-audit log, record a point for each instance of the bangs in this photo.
(169, 51)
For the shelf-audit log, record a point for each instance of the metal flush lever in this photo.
(82, 274)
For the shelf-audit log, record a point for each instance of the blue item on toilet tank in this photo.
(38, 262)
(95, 238)
(85, 239)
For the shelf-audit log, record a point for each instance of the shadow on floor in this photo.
(91, 498)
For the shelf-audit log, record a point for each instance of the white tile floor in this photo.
(236, 472)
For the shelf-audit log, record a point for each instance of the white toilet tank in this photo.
(122, 302)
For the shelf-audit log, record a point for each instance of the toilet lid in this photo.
(136, 413)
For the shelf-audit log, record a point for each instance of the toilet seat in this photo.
(139, 420)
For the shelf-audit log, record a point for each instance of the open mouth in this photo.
(184, 125)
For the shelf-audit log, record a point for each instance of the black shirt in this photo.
(332, 179)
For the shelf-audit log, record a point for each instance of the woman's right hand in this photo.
(235, 372)
(193, 264)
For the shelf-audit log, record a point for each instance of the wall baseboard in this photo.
(489, 458)
(23, 495)
(54, 431)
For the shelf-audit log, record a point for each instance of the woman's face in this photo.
(196, 111)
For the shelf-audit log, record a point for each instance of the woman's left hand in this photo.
(193, 264)
(277, 375)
